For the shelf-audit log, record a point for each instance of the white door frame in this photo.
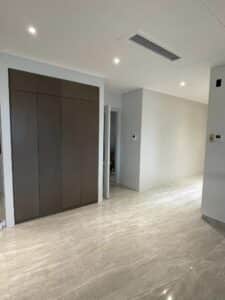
(107, 128)
(106, 162)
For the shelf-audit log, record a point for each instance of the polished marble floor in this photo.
(153, 245)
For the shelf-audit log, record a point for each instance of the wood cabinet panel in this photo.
(50, 153)
(71, 153)
(25, 155)
(55, 128)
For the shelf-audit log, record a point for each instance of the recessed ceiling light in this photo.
(32, 30)
(183, 83)
(116, 60)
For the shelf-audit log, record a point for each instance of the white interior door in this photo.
(106, 176)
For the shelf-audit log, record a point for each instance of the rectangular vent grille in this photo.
(140, 40)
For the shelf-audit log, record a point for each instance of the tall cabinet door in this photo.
(71, 153)
(55, 127)
(89, 155)
(50, 154)
(25, 155)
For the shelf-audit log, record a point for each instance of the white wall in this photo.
(172, 140)
(113, 99)
(9, 61)
(213, 204)
(170, 143)
(130, 150)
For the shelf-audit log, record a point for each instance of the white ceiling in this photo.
(87, 34)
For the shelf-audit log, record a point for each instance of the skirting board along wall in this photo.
(10, 61)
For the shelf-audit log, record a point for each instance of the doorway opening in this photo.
(111, 149)
(114, 144)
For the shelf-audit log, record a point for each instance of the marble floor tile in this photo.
(152, 245)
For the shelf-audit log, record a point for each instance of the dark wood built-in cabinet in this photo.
(55, 129)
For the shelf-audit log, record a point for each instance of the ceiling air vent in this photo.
(140, 40)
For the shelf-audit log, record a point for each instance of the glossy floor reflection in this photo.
(153, 245)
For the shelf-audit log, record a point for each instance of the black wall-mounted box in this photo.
(218, 82)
